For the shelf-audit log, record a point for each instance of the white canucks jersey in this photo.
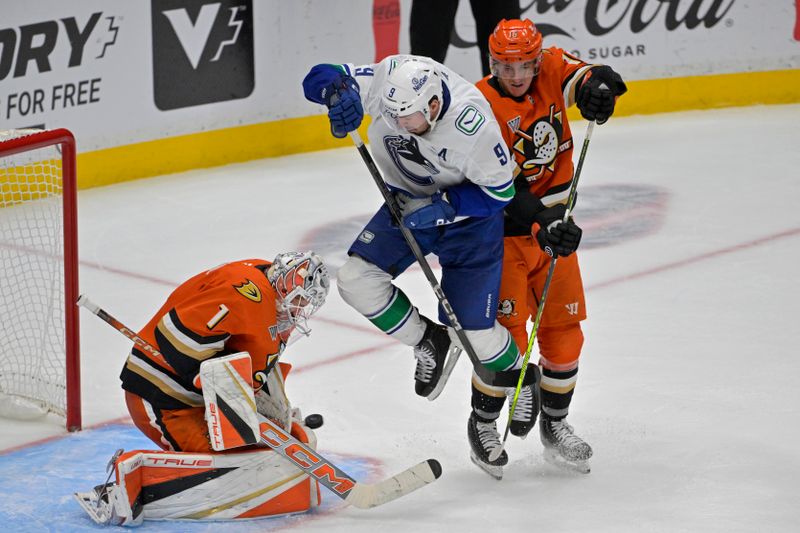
(465, 144)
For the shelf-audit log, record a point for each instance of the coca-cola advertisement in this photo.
(649, 39)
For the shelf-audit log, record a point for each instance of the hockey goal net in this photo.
(39, 361)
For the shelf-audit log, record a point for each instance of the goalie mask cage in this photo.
(39, 346)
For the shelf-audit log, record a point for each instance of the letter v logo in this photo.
(193, 37)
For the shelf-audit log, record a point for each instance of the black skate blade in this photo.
(554, 458)
(449, 365)
(493, 470)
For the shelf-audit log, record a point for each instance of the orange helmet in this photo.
(515, 40)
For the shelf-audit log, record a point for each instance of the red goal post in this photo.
(39, 334)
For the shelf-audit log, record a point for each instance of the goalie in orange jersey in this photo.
(530, 89)
(245, 306)
(251, 306)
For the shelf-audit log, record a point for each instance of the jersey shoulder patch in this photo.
(249, 290)
(470, 120)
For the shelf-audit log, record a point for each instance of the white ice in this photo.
(688, 381)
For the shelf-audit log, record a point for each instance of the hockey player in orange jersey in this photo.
(251, 306)
(245, 306)
(530, 89)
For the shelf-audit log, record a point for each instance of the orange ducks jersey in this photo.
(536, 129)
(224, 310)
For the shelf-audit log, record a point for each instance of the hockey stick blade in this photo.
(361, 495)
(449, 365)
(365, 496)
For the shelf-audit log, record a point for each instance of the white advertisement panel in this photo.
(118, 72)
(650, 39)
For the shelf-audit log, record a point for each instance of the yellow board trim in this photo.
(308, 134)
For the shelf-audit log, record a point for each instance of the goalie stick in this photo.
(394, 209)
(570, 201)
(355, 493)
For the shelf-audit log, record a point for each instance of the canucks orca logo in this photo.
(409, 160)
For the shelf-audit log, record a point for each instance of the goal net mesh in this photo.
(32, 327)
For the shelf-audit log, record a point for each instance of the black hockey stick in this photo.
(570, 201)
(361, 495)
(395, 210)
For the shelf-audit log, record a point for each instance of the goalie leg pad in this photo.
(153, 485)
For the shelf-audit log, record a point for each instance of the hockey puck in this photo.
(314, 421)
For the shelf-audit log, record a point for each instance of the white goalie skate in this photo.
(105, 503)
(562, 447)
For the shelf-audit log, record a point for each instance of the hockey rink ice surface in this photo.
(688, 384)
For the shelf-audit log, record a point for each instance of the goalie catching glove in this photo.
(556, 237)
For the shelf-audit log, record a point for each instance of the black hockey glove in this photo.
(556, 237)
(599, 92)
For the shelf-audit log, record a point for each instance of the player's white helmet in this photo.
(301, 282)
(409, 88)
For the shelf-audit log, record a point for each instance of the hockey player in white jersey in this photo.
(441, 153)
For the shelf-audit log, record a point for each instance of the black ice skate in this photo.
(431, 353)
(562, 447)
(527, 403)
(483, 439)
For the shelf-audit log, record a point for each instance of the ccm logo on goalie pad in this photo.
(307, 459)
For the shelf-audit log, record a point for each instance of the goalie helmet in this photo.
(515, 41)
(301, 282)
(409, 89)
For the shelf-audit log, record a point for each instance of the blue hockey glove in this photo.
(599, 92)
(345, 111)
(331, 86)
(435, 213)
